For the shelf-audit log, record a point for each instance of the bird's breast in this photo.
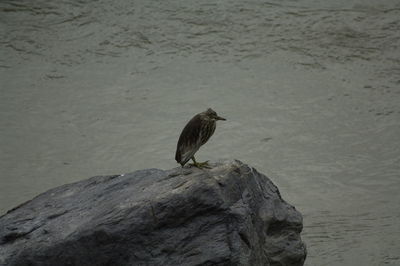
(208, 128)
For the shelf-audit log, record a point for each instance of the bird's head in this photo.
(212, 115)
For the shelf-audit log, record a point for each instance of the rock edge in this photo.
(227, 215)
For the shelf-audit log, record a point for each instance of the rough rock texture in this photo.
(227, 215)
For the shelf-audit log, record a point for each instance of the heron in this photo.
(194, 135)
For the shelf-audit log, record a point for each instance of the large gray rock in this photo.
(227, 215)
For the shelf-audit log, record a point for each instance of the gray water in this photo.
(311, 91)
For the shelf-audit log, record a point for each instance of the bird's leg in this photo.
(200, 165)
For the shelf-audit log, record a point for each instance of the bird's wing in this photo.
(189, 140)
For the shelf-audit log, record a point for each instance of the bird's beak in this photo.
(219, 118)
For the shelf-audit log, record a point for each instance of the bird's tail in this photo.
(178, 156)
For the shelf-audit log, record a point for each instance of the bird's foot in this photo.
(201, 165)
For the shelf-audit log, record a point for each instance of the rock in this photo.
(227, 215)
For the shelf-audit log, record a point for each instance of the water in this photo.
(311, 91)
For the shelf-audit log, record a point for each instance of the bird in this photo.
(194, 135)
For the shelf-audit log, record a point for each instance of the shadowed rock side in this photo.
(227, 215)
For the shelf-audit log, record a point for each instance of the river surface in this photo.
(310, 90)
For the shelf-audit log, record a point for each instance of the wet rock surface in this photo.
(227, 215)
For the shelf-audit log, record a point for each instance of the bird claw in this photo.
(201, 165)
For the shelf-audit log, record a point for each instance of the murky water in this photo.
(311, 91)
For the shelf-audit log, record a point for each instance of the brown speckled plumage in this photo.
(195, 134)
